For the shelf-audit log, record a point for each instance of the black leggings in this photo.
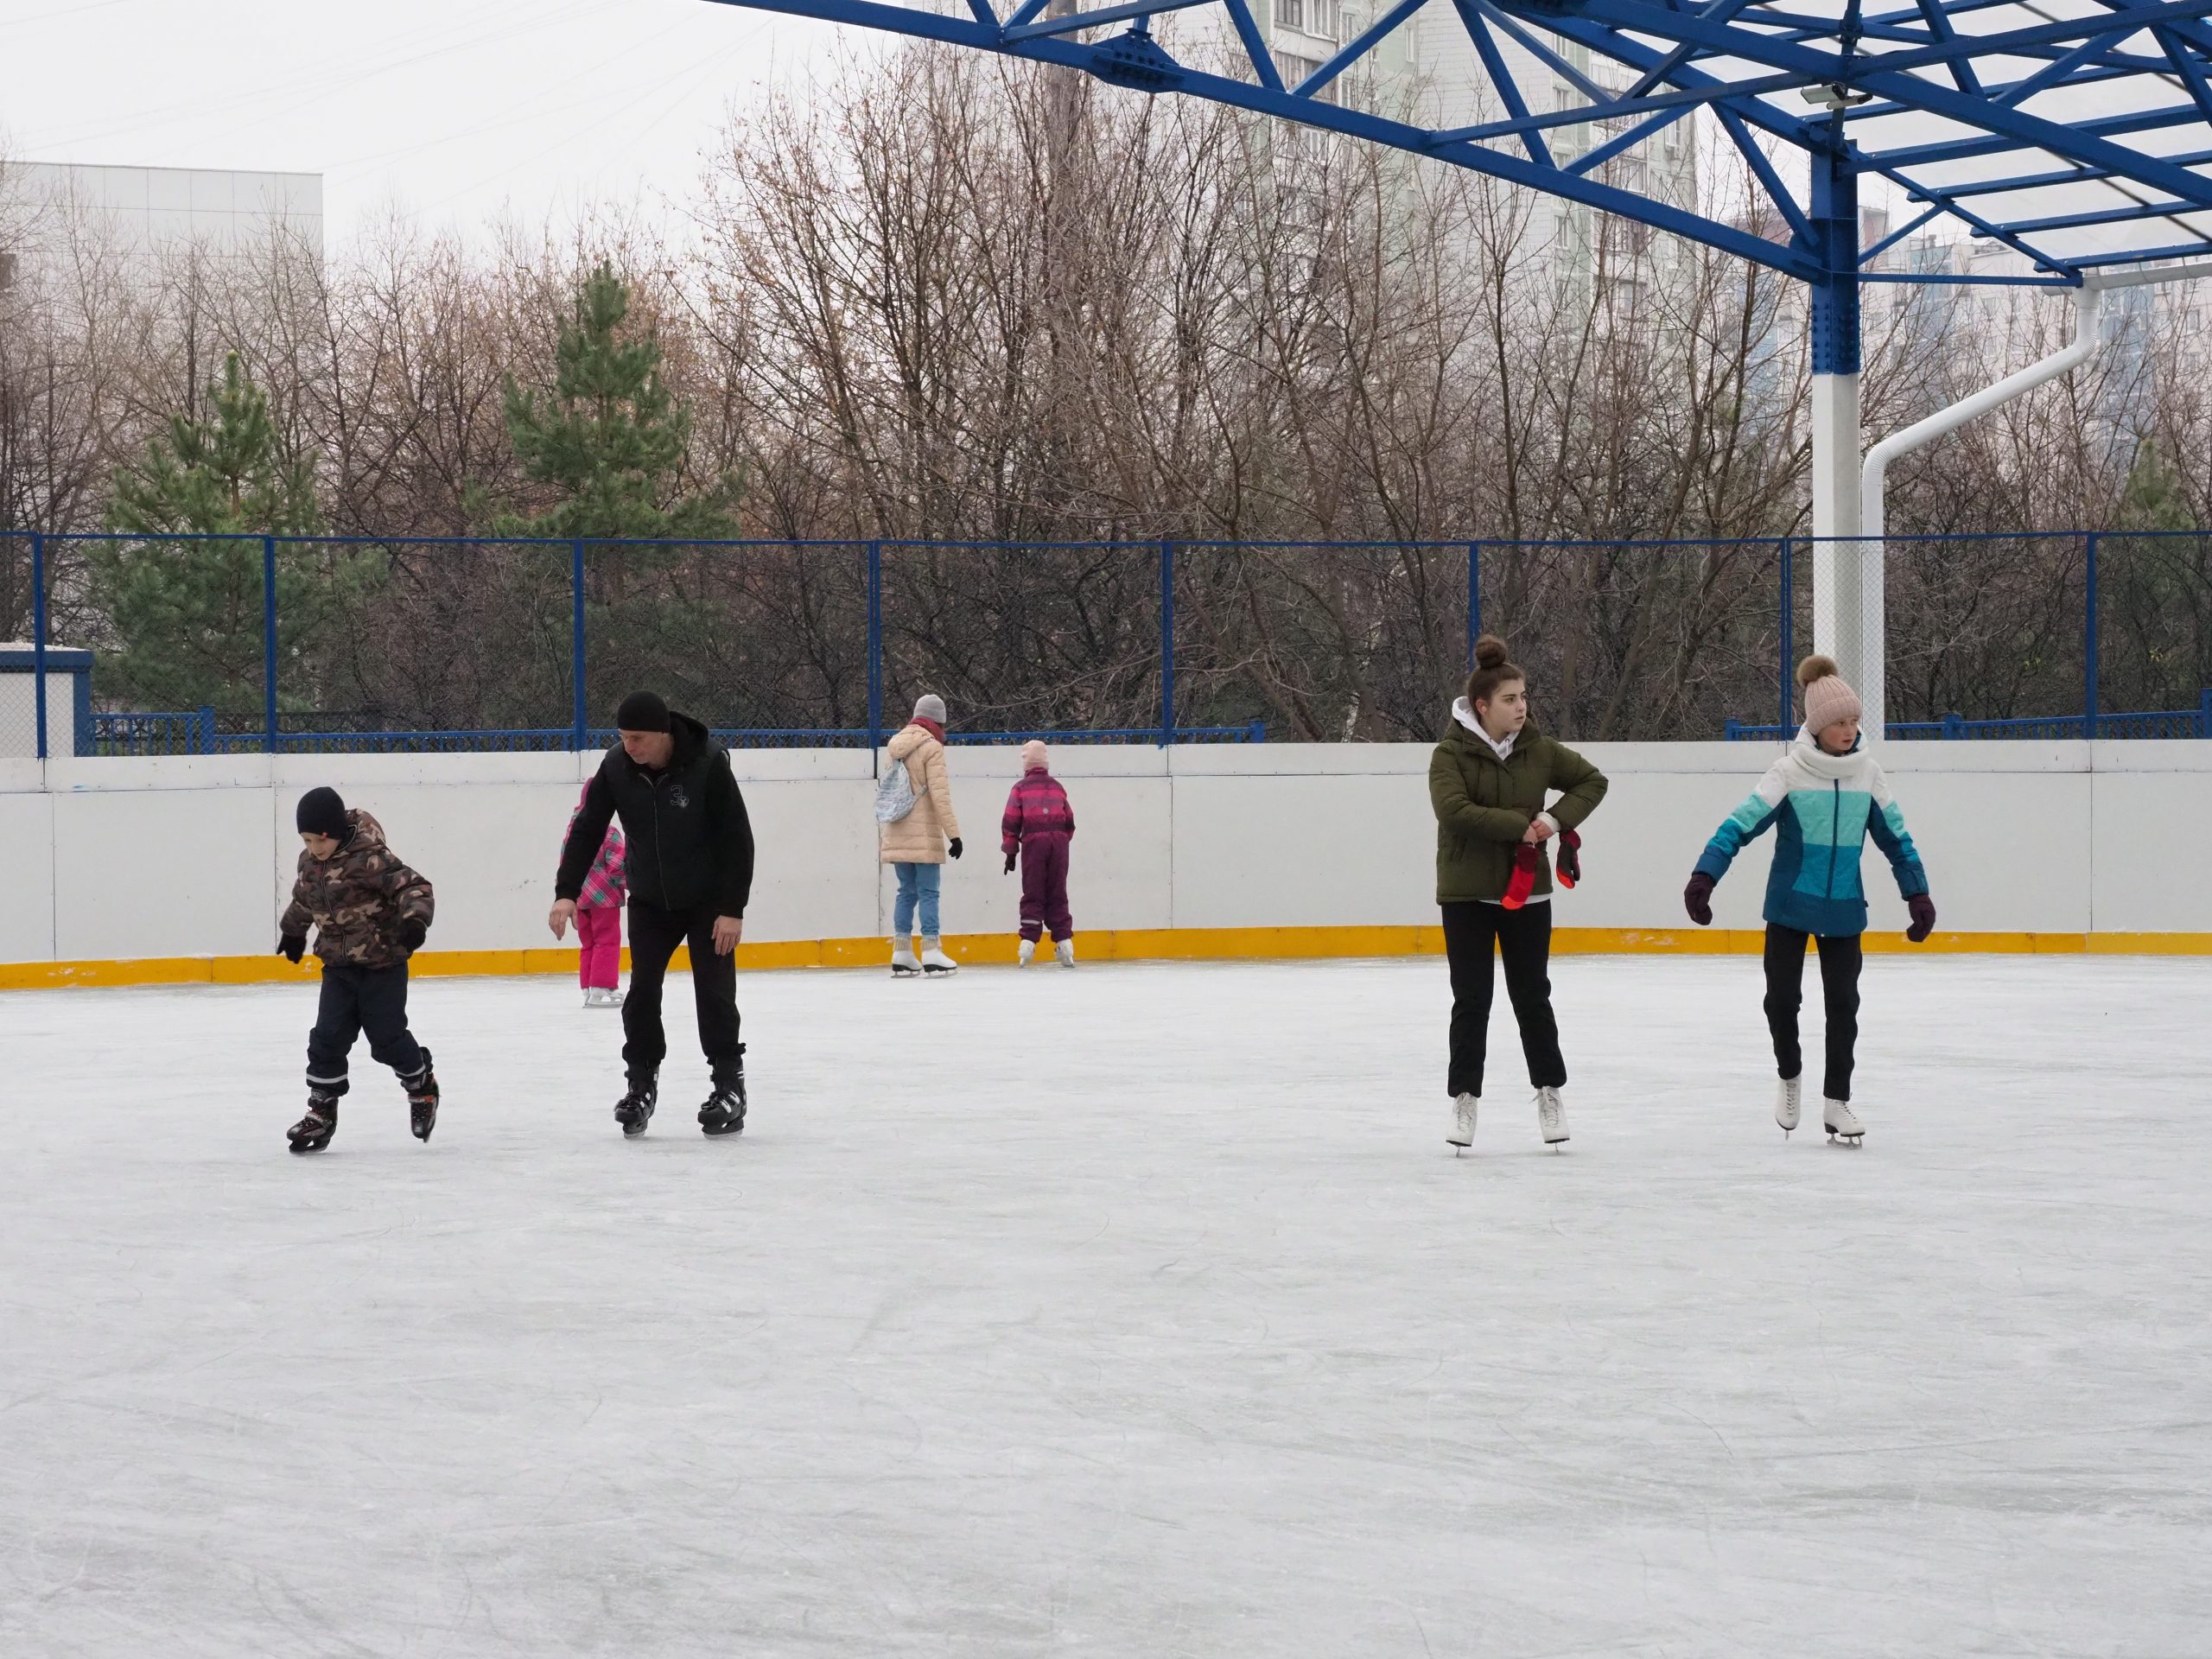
(1786, 992)
(1473, 933)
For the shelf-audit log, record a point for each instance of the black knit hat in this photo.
(322, 813)
(641, 711)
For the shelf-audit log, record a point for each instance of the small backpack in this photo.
(894, 794)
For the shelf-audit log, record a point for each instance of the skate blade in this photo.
(717, 1130)
(310, 1146)
(1837, 1138)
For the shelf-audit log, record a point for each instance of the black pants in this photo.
(1786, 992)
(654, 935)
(1523, 937)
(355, 1000)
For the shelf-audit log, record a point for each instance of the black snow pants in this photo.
(654, 935)
(1472, 933)
(1840, 960)
(355, 1000)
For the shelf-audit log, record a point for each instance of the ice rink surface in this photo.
(1135, 1311)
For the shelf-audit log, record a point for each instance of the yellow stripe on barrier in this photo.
(1127, 944)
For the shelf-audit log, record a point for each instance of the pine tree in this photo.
(2154, 499)
(187, 615)
(609, 440)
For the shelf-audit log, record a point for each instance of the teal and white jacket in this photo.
(1821, 807)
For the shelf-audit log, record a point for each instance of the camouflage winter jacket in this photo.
(356, 898)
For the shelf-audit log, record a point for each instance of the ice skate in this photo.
(904, 963)
(1026, 954)
(723, 1112)
(1551, 1116)
(635, 1110)
(935, 964)
(1785, 1101)
(1463, 1122)
(423, 1101)
(1842, 1123)
(1064, 952)
(313, 1132)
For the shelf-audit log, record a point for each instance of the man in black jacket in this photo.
(690, 869)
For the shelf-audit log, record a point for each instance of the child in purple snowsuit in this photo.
(599, 917)
(1037, 828)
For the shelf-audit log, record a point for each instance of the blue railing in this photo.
(190, 732)
(2153, 723)
(561, 738)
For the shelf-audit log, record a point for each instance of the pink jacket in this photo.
(1037, 806)
(608, 883)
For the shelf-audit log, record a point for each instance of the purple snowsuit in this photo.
(1038, 824)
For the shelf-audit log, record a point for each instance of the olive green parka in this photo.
(1484, 805)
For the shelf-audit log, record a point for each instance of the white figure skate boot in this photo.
(1462, 1121)
(1842, 1123)
(1064, 952)
(1028, 954)
(1551, 1116)
(904, 963)
(1786, 1101)
(935, 962)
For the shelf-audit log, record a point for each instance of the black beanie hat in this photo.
(641, 711)
(322, 813)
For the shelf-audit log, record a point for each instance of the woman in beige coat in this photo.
(915, 846)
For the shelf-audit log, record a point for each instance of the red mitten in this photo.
(1524, 882)
(1567, 867)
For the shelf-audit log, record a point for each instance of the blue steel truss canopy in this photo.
(2075, 132)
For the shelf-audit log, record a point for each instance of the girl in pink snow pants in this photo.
(599, 919)
(1036, 830)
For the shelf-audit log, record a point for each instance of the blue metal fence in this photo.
(410, 644)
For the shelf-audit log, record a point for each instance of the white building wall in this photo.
(120, 859)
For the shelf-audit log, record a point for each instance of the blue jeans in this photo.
(918, 884)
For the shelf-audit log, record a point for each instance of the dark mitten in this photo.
(1009, 863)
(1567, 867)
(1523, 881)
(1923, 916)
(1697, 899)
(413, 931)
(955, 848)
(292, 947)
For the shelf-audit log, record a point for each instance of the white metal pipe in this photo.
(1874, 521)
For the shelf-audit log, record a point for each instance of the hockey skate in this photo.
(635, 1110)
(1026, 954)
(1063, 952)
(313, 1132)
(1842, 1123)
(1463, 1123)
(1785, 1103)
(904, 963)
(935, 964)
(723, 1112)
(423, 1101)
(1551, 1116)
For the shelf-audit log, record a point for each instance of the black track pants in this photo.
(1472, 933)
(356, 999)
(1840, 959)
(654, 935)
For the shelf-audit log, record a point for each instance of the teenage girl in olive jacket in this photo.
(1488, 782)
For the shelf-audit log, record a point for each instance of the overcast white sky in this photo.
(453, 109)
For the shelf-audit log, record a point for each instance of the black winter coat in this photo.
(690, 843)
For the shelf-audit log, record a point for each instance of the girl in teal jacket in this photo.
(1822, 800)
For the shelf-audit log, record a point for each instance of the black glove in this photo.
(1568, 865)
(1923, 916)
(413, 931)
(1009, 863)
(292, 947)
(955, 849)
(1697, 899)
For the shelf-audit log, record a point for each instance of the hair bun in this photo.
(1490, 651)
(1816, 667)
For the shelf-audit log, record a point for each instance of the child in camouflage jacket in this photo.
(370, 912)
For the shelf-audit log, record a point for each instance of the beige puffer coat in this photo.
(919, 838)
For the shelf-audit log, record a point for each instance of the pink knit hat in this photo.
(1827, 699)
(1032, 756)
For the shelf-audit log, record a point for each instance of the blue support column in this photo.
(579, 712)
(1166, 644)
(2090, 672)
(269, 641)
(1789, 631)
(38, 636)
(875, 645)
(1474, 600)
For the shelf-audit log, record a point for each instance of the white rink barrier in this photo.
(2029, 846)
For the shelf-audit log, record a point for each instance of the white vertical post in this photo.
(1847, 569)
